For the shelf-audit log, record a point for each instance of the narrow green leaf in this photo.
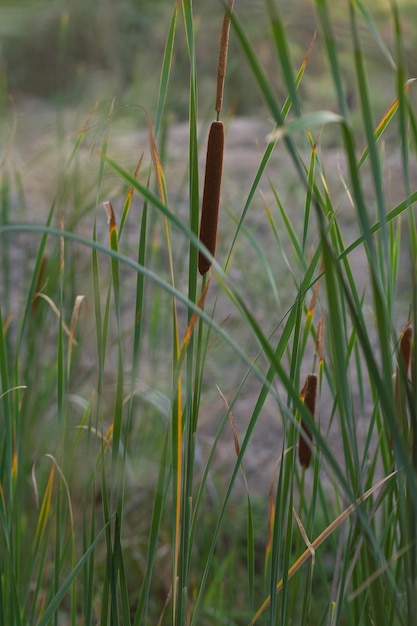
(166, 69)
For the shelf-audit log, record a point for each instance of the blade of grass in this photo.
(283, 53)
(166, 68)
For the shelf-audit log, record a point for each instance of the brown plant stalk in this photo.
(222, 62)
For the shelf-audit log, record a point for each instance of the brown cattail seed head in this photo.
(310, 394)
(406, 346)
(211, 194)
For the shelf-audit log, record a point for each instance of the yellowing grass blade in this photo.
(45, 506)
(129, 196)
(385, 120)
(111, 220)
(193, 320)
(159, 172)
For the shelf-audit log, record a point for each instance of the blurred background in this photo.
(76, 52)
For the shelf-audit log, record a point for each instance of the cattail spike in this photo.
(406, 346)
(211, 194)
(400, 381)
(222, 62)
(310, 394)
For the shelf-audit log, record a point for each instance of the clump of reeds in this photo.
(309, 393)
(214, 159)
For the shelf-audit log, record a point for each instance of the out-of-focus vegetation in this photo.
(81, 50)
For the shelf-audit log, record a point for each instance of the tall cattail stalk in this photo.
(309, 393)
(211, 194)
(214, 158)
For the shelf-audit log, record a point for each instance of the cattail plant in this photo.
(309, 393)
(400, 380)
(211, 194)
(214, 158)
(406, 347)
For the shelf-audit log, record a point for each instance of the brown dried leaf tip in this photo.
(111, 218)
(211, 194)
(310, 393)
